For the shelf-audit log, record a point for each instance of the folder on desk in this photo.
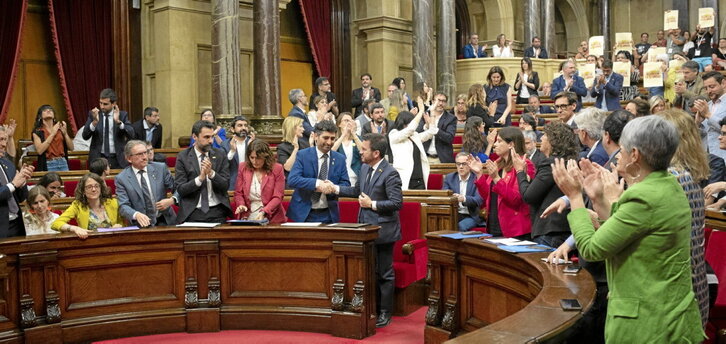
(526, 249)
(465, 236)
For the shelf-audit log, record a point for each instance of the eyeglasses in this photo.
(723, 133)
(140, 154)
(461, 164)
(561, 106)
(92, 187)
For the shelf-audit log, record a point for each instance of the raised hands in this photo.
(517, 161)
(116, 114)
(475, 165)
(568, 177)
(10, 127)
(94, 114)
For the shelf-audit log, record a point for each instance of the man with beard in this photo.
(365, 92)
(379, 124)
(202, 179)
(236, 147)
(13, 191)
(709, 115)
(314, 177)
(440, 149)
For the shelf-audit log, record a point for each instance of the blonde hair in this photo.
(289, 126)
(690, 155)
(476, 95)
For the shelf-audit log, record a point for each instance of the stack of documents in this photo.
(518, 246)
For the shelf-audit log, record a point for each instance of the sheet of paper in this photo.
(652, 74)
(623, 68)
(129, 228)
(706, 17)
(465, 236)
(198, 224)
(523, 243)
(623, 41)
(587, 72)
(670, 20)
(654, 52)
(503, 241)
(525, 249)
(596, 44)
(301, 224)
(676, 66)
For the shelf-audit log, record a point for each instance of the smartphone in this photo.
(570, 305)
(572, 269)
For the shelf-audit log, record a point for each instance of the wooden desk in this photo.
(716, 220)
(481, 294)
(59, 288)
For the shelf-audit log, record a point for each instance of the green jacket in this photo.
(646, 247)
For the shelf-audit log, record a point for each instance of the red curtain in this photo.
(81, 32)
(316, 16)
(11, 28)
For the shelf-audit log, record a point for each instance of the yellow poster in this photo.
(623, 41)
(596, 44)
(587, 72)
(652, 74)
(670, 20)
(676, 65)
(706, 17)
(623, 68)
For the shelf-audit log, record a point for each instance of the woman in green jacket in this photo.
(644, 239)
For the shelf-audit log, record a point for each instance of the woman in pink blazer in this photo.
(507, 213)
(260, 185)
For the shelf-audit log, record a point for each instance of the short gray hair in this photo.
(294, 94)
(130, 145)
(654, 137)
(591, 120)
(530, 134)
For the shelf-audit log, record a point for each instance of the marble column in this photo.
(423, 44)
(266, 43)
(446, 50)
(713, 4)
(605, 26)
(683, 21)
(548, 10)
(226, 94)
(532, 23)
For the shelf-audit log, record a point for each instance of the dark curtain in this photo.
(81, 33)
(316, 16)
(11, 26)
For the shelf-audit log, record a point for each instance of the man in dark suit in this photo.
(379, 194)
(607, 88)
(535, 102)
(316, 172)
(149, 128)
(364, 93)
(445, 123)
(530, 144)
(202, 179)
(379, 124)
(236, 147)
(536, 49)
(473, 49)
(141, 189)
(299, 102)
(569, 82)
(109, 129)
(462, 183)
(590, 125)
(13, 191)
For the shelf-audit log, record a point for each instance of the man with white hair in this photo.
(589, 123)
(299, 101)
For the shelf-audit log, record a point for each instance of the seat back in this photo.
(436, 181)
(171, 161)
(69, 187)
(74, 164)
(348, 211)
(716, 257)
(410, 215)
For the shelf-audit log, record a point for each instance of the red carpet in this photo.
(401, 330)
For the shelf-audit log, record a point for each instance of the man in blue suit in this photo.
(569, 82)
(299, 101)
(473, 49)
(141, 189)
(461, 183)
(236, 147)
(606, 89)
(13, 191)
(316, 172)
(590, 124)
(380, 197)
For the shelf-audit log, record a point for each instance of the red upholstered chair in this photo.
(69, 187)
(436, 181)
(410, 259)
(348, 211)
(74, 164)
(458, 139)
(286, 205)
(716, 257)
(171, 161)
(112, 185)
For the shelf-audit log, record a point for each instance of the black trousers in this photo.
(216, 214)
(385, 277)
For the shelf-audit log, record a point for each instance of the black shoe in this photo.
(383, 319)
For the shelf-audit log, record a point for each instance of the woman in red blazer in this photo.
(507, 213)
(260, 185)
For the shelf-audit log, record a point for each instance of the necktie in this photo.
(12, 204)
(379, 129)
(106, 148)
(322, 175)
(203, 190)
(368, 178)
(148, 203)
(149, 134)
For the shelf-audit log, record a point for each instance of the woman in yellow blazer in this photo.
(645, 240)
(93, 208)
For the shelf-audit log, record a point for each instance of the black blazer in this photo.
(539, 193)
(366, 129)
(534, 78)
(120, 137)
(20, 194)
(444, 138)
(482, 112)
(187, 170)
(529, 52)
(140, 133)
(356, 100)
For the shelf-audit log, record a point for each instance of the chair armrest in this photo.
(413, 245)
